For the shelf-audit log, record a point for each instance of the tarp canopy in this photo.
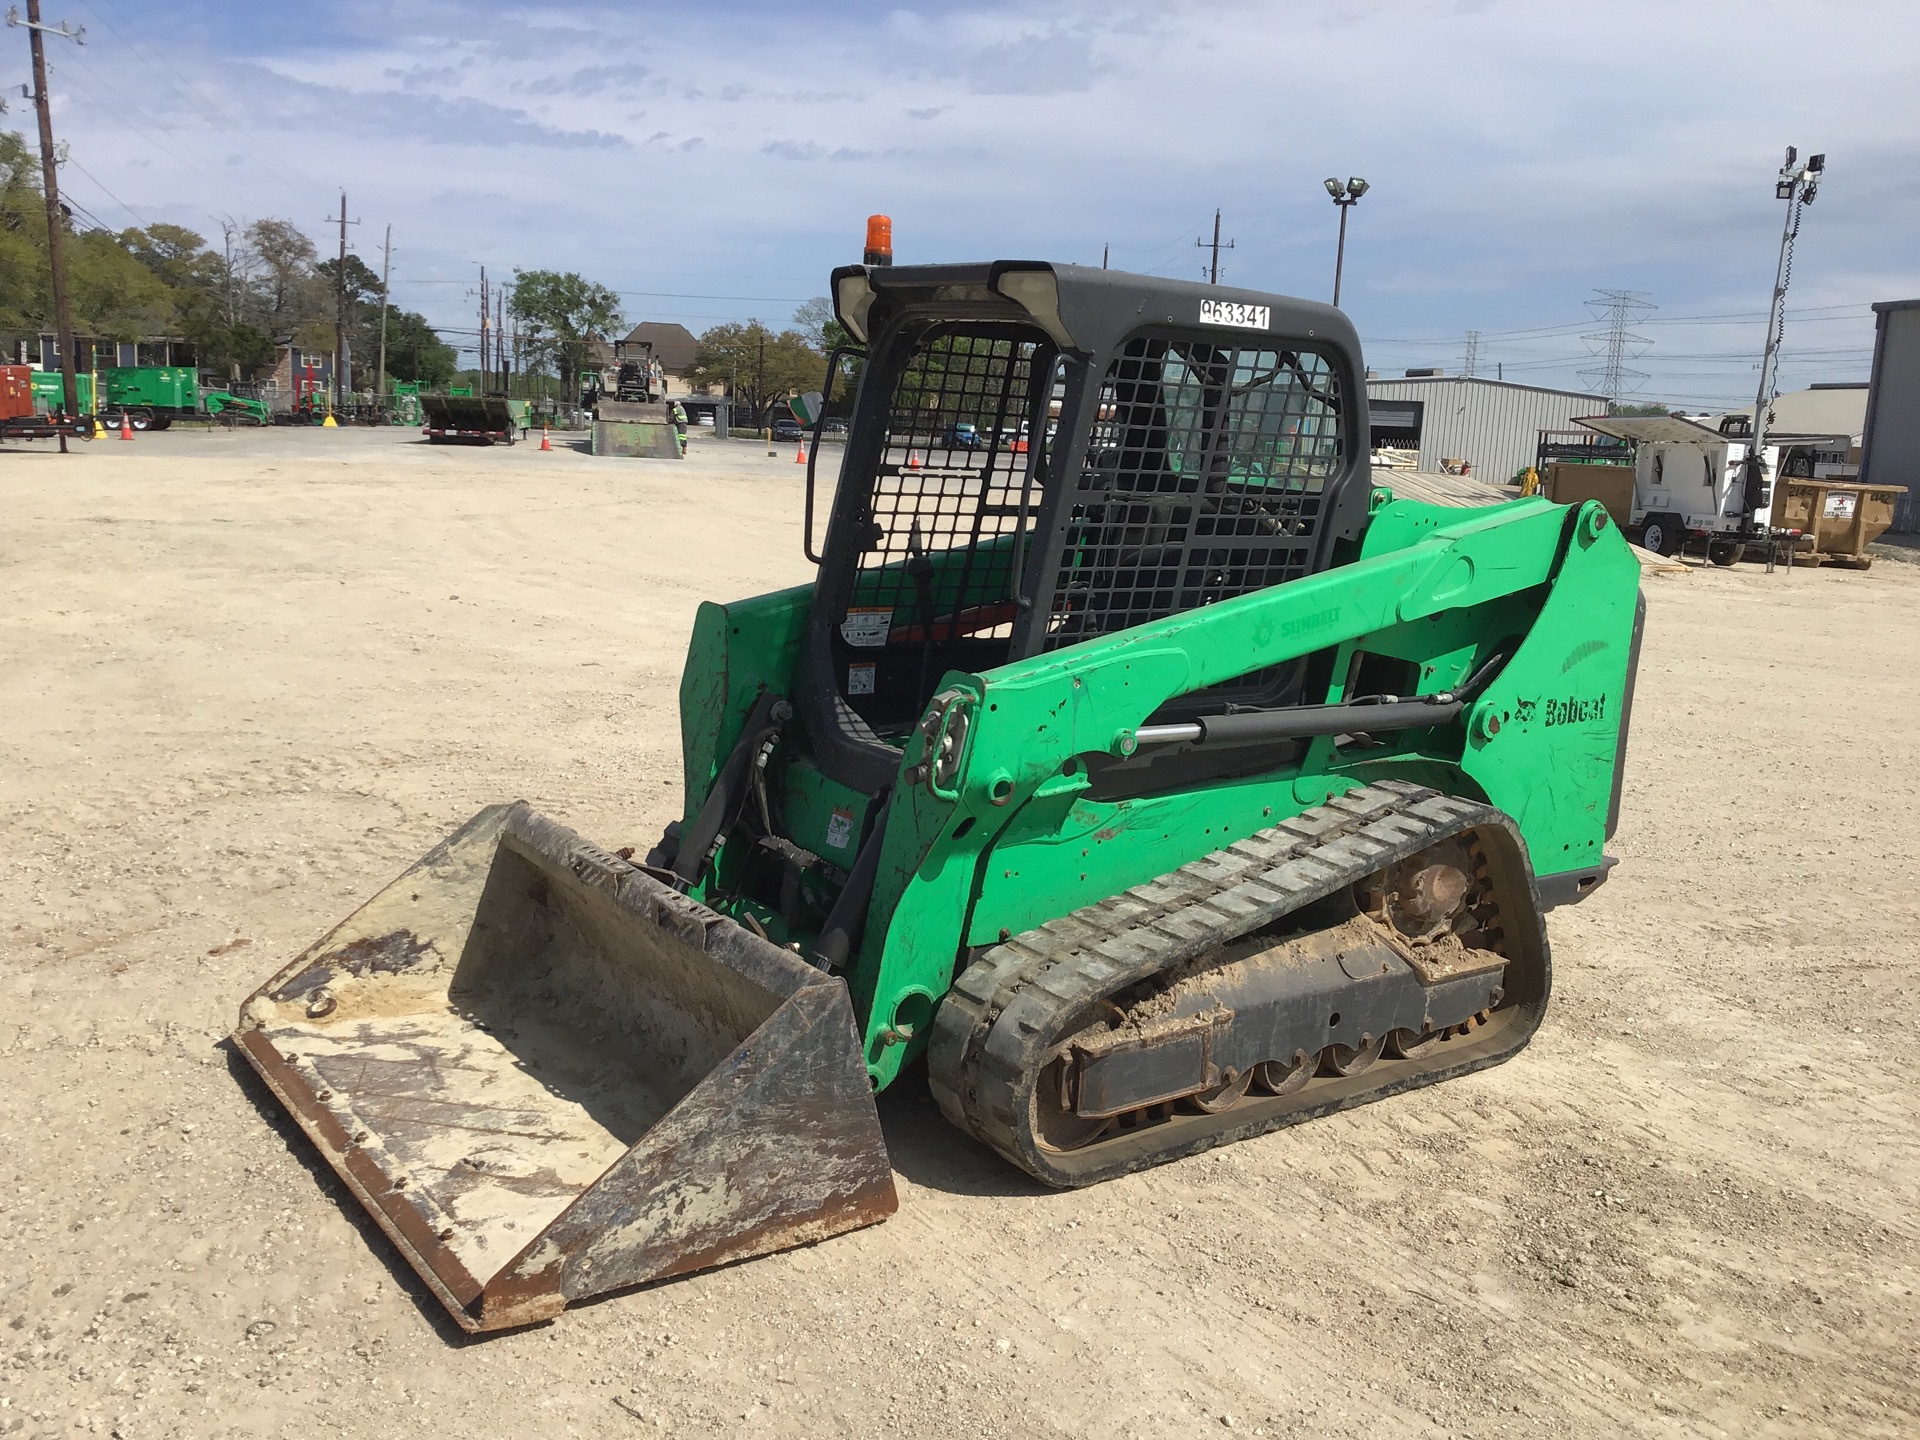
(1651, 427)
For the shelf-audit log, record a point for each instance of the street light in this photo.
(1343, 196)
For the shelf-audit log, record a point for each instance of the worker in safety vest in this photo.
(680, 425)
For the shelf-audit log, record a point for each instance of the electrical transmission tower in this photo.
(1471, 362)
(1616, 344)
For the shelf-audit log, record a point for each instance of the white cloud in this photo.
(1522, 152)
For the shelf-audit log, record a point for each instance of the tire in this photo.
(1663, 535)
(140, 419)
(162, 422)
(1726, 553)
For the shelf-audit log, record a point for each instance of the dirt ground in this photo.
(246, 678)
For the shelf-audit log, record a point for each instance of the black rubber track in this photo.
(1009, 1010)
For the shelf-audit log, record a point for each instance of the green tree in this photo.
(558, 313)
(112, 293)
(286, 297)
(356, 304)
(816, 321)
(237, 348)
(757, 366)
(26, 300)
(414, 352)
(178, 257)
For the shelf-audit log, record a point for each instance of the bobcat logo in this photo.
(1523, 709)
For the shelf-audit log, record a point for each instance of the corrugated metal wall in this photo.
(1494, 426)
(1891, 453)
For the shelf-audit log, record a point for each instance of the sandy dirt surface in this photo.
(246, 678)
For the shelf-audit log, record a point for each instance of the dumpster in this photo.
(1834, 519)
(1567, 483)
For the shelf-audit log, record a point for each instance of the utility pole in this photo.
(386, 269)
(483, 330)
(50, 180)
(760, 377)
(342, 360)
(1103, 254)
(1213, 271)
(1471, 361)
(500, 334)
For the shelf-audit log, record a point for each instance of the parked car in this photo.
(962, 435)
(788, 429)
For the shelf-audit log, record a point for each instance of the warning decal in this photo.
(867, 626)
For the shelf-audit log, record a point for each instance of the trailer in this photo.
(467, 419)
(31, 403)
(152, 397)
(1692, 486)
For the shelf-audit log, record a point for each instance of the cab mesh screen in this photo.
(1203, 480)
(953, 477)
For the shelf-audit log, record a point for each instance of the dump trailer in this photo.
(469, 419)
(1140, 788)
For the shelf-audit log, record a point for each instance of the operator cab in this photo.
(1043, 454)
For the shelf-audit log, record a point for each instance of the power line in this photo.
(103, 189)
(193, 96)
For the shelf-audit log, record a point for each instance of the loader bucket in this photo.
(547, 1075)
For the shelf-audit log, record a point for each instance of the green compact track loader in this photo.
(1135, 773)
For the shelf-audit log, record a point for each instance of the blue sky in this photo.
(714, 161)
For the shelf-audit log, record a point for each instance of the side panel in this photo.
(734, 651)
(1440, 588)
(1550, 761)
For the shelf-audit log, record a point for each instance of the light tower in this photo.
(1345, 196)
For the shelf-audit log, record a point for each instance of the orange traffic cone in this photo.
(545, 443)
(126, 426)
(800, 455)
(913, 460)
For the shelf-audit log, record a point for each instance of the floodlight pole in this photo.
(1797, 185)
(1345, 195)
(1340, 254)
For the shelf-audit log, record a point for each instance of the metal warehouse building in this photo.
(1493, 425)
(1892, 443)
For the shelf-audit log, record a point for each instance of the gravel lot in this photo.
(246, 677)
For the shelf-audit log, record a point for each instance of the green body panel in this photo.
(49, 391)
(736, 650)
(1017, 841)
(166, 387)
